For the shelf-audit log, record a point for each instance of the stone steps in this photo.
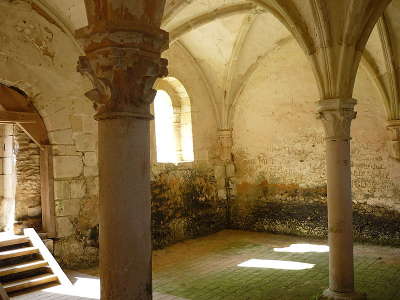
(12, 240)
(18, 252)
(22, 267)
(29, 282)
(26, 265)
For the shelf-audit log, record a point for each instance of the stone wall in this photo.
(185, 203)
(279, 156)
(76, 197)
(28, 210)
(39, 57)
(277, 180)
(290, 209)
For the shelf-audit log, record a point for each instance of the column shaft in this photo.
(125, 213)
(123, 43)
(340, 233)
(336, 116)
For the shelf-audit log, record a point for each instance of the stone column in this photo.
(336, 116)
(123, 45)
(394, 142)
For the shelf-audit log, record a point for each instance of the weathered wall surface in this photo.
(39, 57)
(185, 203)
(279, 180)
(44, 67)
(28, 209)
(279, 154)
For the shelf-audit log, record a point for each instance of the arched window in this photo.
(173, 122)
(165, 136)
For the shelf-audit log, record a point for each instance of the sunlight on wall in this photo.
(164, 123)
(7, 178)
(303, 248)
(276, 264)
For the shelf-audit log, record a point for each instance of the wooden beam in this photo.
(47, 191)
(12, 101)
(35, 132)
(17, 117)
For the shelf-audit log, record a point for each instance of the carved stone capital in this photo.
(123, 63)
(394, 129)
(336, 116)
(394, 143)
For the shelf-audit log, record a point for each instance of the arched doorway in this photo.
(19, 118)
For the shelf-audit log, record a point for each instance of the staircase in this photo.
(27, 265)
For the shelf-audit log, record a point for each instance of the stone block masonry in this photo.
(28, 210)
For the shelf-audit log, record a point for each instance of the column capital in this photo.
(394, 128)
(336, 116)
(122, 61)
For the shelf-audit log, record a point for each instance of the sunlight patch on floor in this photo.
(85, 287)
(275, 264)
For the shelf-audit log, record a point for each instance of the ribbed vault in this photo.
(227, 40)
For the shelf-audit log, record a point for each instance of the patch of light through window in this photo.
(165, 137)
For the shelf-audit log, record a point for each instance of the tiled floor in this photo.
(242, 265)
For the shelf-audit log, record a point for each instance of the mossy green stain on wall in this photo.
(290, 209)
(185, 205)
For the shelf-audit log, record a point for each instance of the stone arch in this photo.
(20, 111)
(368, 65)
(16, 101)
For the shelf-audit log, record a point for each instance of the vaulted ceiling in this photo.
(228, 39)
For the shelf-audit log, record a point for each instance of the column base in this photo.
(331, 295)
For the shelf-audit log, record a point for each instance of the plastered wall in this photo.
(279, 154)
